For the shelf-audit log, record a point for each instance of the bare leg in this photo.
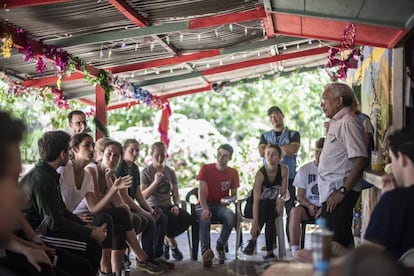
(135, 247)
(297, 214)
(106, 260)
(116, 259)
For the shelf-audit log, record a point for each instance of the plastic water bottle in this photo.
(321, 250)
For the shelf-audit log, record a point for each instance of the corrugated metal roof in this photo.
(230, 46)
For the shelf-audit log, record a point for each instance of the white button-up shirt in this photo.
(344, 142)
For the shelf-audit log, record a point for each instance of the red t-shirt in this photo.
(218, 182)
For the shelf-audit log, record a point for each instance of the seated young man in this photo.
(391, 226)
(47, 211)
(307, 195)
(216, 181)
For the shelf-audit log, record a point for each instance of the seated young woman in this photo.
(83, 186)
(269, 195)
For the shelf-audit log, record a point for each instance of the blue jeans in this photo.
(219, 213)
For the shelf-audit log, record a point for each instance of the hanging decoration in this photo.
(345, 57)
(7, 46)
(100, 127)
(60, 100)
(129, 90)
(64, 64)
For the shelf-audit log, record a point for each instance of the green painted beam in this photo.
(271, 76)
(169, 79)
(118, 35)
(260, 44)
(80, 94)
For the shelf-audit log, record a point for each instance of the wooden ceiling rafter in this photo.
(136, 18)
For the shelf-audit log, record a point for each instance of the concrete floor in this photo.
(249, 265)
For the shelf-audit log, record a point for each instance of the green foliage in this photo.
(39, 112)
(237, 115)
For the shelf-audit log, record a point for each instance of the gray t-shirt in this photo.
(162, 195)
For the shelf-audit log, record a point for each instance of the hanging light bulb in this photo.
(216, 33)
(167, 39)
(123, 45)
(258, 54)
(133, 75)
(101, 52)
(152, 46)
(221, 63)
(284, 47)
(208, 65)
(136, 46)
(246, 31)
(310, 41)
(297, 46)
(263, 32)
(244, 55)
(157, 72)
(231, 27)
(199, 37)
(181, 37)
(110, 53)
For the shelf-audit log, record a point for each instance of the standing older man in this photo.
(342, 161)
(289, 141)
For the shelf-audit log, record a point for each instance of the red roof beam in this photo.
(129, 12)
(212, 21)
(315, 28)
(269, 27)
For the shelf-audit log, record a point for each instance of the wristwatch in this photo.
(342, 190)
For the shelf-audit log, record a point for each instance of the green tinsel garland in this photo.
(100, 127)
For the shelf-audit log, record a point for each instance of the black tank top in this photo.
(276, 181)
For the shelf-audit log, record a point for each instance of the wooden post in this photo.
(100, 110)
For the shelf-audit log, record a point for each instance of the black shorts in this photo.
(307, 211)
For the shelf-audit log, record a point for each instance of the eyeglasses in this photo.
(79, 123)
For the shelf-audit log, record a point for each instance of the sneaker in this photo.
(163, 263)
(208, 257)
(126, 262)
(264, 248)
(269, 257)
(250, 248)
(176, 253)
(166, 251)
(149, 267)
(221, 254)
(106, 273)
